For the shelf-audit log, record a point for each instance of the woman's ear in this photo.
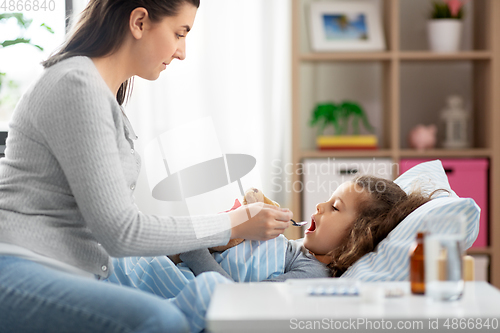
(139, 17)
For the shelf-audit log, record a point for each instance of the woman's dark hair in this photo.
(385, 206)
(102, 27)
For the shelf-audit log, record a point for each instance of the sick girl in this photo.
(358, 215)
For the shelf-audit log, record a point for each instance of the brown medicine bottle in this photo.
(417, 267)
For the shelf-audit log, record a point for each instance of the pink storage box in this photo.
(469, 179)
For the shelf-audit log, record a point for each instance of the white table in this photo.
(279, 307)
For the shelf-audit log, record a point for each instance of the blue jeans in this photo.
(176, 283)
(34, 298)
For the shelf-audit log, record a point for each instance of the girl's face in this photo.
(162, 42)
(333, 219)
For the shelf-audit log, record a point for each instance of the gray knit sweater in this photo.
(69, 173)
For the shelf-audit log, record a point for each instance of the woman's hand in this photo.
(259, 221)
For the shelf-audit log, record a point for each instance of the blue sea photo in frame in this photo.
(346, 26)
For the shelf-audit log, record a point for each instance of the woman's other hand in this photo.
(259, 221)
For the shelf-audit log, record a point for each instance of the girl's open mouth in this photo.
(312, 227)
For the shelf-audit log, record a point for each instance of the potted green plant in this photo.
(342, 117)
(445, 25)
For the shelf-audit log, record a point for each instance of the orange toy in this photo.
(251, 195)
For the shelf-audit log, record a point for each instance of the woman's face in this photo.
(162, 42)
(333, 219)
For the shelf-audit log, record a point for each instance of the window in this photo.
(31, 31)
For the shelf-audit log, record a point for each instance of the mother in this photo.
(69, 174)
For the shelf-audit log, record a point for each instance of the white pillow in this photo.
(390, 260)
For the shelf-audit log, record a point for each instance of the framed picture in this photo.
(346, 26)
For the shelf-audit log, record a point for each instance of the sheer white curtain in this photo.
(237, 72)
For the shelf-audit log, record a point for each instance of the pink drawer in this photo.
(469, 179)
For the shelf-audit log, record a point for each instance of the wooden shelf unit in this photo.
(402, 55)
(484, 61)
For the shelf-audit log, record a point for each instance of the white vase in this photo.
(445, 35)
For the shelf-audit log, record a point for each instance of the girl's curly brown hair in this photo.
(377, 216)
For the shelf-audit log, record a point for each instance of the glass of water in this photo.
(444, 248)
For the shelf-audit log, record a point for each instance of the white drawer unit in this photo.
(322, 176)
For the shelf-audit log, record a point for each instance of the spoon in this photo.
(299, 224)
